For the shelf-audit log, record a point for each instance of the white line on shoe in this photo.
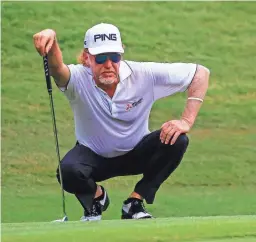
(90, 218)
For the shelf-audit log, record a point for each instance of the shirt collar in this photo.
(124, 71)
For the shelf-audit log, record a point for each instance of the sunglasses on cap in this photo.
(102, 58)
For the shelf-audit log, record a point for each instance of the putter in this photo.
(49, 88)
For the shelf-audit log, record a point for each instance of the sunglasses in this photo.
(102, 58)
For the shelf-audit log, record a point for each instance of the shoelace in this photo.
(138, 206)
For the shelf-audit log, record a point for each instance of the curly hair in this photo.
(82, 58)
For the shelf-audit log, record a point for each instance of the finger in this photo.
(166, 128)
(162, 135)
(169, 135)
(37, 39)
(165, 125)
(166, 133)
(175, 137)
(162, 132)
(43, 43)
(49, 45)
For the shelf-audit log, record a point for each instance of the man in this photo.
(111, 100)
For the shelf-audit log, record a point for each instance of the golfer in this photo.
(111, 100)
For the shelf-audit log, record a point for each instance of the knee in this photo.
(69, 174)
(69, 171)
(71, 177)
(180, 144)
(182, 141)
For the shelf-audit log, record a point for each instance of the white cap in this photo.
(103, 38)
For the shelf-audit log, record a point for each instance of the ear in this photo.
(86, 58)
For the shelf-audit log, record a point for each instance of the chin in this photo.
(107, 81)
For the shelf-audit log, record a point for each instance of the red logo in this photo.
(128, 107)
(134, 104)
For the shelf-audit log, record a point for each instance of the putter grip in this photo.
(47, 74)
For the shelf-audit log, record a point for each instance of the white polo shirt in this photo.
(112, 127)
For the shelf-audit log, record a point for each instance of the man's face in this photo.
(105, 67)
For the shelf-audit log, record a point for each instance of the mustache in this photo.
(109, 72)
(113, 72)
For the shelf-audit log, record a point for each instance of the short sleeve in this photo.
(170, 78)
(71, 90)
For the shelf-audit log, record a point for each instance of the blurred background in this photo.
(217, 175)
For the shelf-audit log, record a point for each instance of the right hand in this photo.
(44, 40)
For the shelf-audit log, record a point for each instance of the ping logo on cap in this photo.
(103, 37)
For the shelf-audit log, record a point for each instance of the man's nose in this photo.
(108, 63)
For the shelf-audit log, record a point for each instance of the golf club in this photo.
(49, 88)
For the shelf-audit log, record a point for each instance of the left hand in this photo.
(171, 130)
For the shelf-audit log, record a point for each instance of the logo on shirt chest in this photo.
(129, 106)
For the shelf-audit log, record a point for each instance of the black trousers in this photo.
(82, 168)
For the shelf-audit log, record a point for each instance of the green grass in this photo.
(217, 175)
(174, 229)
(36, 205)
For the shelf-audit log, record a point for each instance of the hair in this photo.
(82, 58)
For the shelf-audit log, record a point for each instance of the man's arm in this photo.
(46, 43)
(196, 93)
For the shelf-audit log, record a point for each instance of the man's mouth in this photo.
(108, 74)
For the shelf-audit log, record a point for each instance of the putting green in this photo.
(215, 228)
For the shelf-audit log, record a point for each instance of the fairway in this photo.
(226, 229)
(209, 198)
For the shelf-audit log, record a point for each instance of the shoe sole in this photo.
(86, 219)
(126, 216)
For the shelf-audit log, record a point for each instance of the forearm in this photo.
(197, 89)
(58, 70)
(55, 59)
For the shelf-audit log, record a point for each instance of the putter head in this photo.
(64, 219)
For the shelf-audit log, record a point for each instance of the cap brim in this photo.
(105, 49)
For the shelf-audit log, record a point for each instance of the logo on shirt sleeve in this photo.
(129, 106)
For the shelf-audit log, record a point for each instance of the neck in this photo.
(109, 89)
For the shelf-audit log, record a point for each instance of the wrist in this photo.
(187, 121)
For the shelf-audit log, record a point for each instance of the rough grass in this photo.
(217, 175)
